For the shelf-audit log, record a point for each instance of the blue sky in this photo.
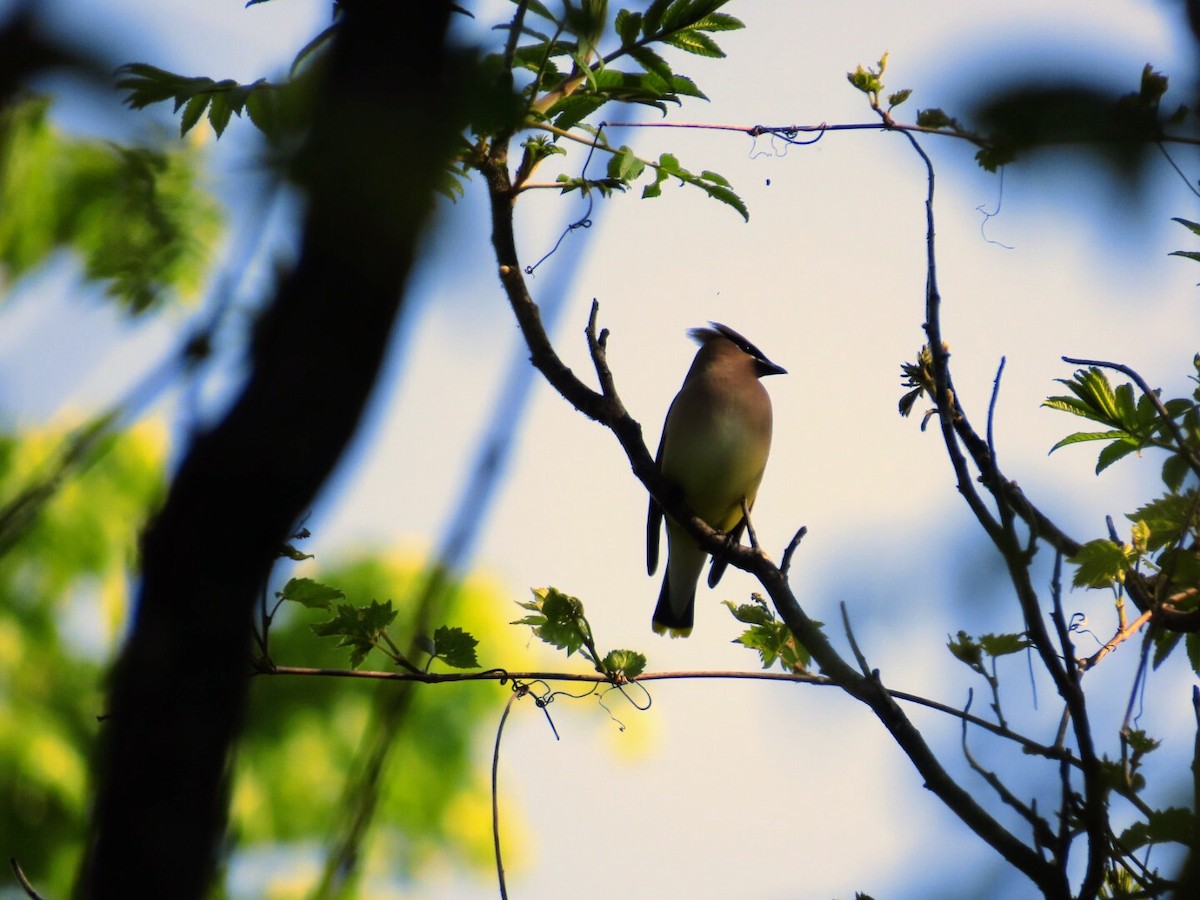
(827, 277)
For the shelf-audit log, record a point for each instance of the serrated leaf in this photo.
(1100, 563)
(628, 664)
(898, 97)
(719, 22)
(1193, 227)
(653, 17)
(357, 627)
(696, 42)
(1192, 644)
(192, 112)
(967, 650)
(625, 165)
(1115, 451)
(750, 613)
(219, 112)
(774, 642)
(1190, 254)
(729, 198)
(534, 6)
(684, 86)
(627, 25)
(1164, 642)
(1080, 437)
(651, 62)
(455, 647)
(1175, 470)
(310, 593)
(1168, 518)
(1003, 644)
(935, 118)
(563, 625)
(569, 111)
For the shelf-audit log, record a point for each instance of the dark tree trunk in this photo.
(383, 129)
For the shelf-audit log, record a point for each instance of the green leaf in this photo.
(1164, 642)
(1100, 563)
(653, 17)
(192, 112)
(455, 647)
(966, 650)
(1141, 743)
(1082, 436)
(1192, 645)
(310, 593)
(1115, 451)
(1003, 644)
(358, 627)
(624, 664)
(719, 22)
(1193, 227)
(628, 24)
(1173, 825)
(625, 165)
(936, 118)
(696, 42)
(570, 111)
(1174, 470)
(1168, 518)
(560, 621)
(772, 639)
(651, 62)
(219, 113)
(865, 80)
(756, 613)
(899, 97)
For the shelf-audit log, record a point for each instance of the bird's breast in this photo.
(715, 451)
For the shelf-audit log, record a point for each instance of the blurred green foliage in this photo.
(137, 217)
(303, 734)
(63, 589)
(62, 604)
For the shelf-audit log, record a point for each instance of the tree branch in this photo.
(629, 433)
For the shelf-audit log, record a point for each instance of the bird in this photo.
(713, 449)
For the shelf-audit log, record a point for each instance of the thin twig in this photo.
(854, 648)
(751, 534)
(503, 676)
(518, 691)
(1122, 635)
(1043, 836)
(790, 550)
(991, 414)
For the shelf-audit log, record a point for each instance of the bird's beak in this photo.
(766, 367)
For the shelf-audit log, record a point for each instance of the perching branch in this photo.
(606, 409)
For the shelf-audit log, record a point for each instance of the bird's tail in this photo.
(666, 619)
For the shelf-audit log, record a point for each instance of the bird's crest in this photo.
(717, 330)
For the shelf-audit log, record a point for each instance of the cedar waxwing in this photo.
(714, 449)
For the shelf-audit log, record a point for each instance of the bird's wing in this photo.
(720, 561)
(655, 513)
